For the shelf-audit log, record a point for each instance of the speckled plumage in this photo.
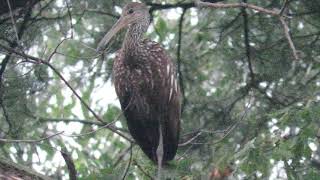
(146, 84)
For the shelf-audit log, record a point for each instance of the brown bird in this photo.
(146, 84)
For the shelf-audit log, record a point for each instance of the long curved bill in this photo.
(121, 23)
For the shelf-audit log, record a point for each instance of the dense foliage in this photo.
(251, 98)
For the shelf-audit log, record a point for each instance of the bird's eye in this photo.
(130, 11)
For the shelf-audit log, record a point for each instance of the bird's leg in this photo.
(160, 151)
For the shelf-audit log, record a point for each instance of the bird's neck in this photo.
(133, 39)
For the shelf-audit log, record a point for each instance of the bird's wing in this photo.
(134, 106)
(167, 95)
(156, 99)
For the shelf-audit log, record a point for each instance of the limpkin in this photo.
(146, 85)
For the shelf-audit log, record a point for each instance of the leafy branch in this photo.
(37, 60)
(276, 13)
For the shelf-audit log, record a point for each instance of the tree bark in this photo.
(10, 171)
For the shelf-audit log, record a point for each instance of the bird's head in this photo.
(133, 14)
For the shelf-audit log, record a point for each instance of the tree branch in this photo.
(30, 141)
(277, 13)
(236, 5)
(38, 60)
(122, 154)
(128, 166)
(44, 119)
(91, 132)
(86, 122)
(179, 58)
(158, 6)
(16, 171)
(5, 61)
(13, 21)
(190, 140)
(70, 164)
(5, 113)
(247, 41)
(288, 36)
(70, 19)
(142, 170)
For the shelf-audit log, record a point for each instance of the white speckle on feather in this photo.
(176, 85)
(170, 94)
(171, 80)
(168, 69)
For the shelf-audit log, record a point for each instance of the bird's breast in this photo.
(137, 78)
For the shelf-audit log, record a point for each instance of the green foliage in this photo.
(257, 125)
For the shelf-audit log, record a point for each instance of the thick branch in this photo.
(13, 171)
(70, 164)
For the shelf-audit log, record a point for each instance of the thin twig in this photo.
(70, 19)
(43, 119)
(102, 12)
(56, 49)
(85, 122)
(94, 131)
(79, 57)
(190, 140)
(30, 141)
(5, 113)
(142, 170)
(231, 128)
(236, 124)
(287, 30)
(288, 36)
(185, 152)
(122, 154)
(284, 6)
(88, 47)
(237, 5)
(160, 6)
(37, 153)
(259, 9)
(128, 166)
(84, 103)
(13, 21)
